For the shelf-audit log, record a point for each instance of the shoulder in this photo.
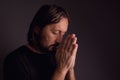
(15, 55)
(15, 66)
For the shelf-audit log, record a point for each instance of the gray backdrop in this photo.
(96, 24)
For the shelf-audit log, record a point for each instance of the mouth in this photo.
(54, 47)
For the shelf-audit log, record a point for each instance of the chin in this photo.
(52, 49)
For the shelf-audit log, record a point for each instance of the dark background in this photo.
(95, 22)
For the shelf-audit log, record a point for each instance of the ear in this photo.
(37, 30)
(36, 33)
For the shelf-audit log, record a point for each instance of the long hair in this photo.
(47, 14)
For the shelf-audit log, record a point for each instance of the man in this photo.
(46, 56)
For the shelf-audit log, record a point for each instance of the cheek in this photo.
(48, 40)
(51, 39)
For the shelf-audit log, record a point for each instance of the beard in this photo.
(39, 42)
(48, 49)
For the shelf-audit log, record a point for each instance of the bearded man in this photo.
(46, 56)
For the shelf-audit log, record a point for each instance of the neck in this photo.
(33, 48)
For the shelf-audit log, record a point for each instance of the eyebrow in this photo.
(57, 29)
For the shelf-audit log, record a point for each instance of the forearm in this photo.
(70, 75)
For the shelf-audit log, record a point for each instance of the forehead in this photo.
(62, 25)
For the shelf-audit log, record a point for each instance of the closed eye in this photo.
(55, 32)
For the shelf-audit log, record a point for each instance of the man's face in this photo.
(51, 35)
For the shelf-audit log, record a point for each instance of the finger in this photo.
(74, 50)
(75, 40)
(71, 46)
(74, 53)
(65, 42)
(70, 42)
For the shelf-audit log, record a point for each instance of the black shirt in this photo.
(23, 64)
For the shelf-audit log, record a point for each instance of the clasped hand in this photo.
(66, 53)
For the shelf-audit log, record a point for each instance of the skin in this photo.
(52, 34)
(66, 51)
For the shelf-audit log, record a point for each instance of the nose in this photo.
(59, 39)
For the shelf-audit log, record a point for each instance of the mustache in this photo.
(55, 45)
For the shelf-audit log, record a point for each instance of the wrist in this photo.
(70, 74)
(61, 71)
(59, 74)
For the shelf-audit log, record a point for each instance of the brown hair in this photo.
(47, 14)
